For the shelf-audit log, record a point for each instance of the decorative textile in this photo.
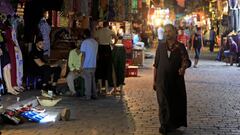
(19, 59)
(84, 7)
(6, 7)
(10, 47)
(139, 3)
(134, 4)
(111, 10)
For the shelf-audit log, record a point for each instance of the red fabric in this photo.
(139, 3)
(10, 46)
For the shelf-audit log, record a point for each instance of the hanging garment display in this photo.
(126, 9)
(103, 9)
(45, 30)
(111, 10)
(84, 7)
(77, 6)
(68, 6)
(11, 51)
(134, 4)
(94, 11)
(19, 59)
(120, 15)
(139, 3)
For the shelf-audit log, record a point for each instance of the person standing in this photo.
(171, 61)
(212, 39)
(182, 37)
(104, 63)
(89, 48)
(197, 44)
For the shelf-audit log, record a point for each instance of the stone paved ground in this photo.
(213, 92)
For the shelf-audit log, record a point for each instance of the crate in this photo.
(131, 71)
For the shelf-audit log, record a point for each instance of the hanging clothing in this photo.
(84, 7)
(95, 13)
(11, 50)
(119, 60)
(4, 60)
(19, 59)
(134, 4)
(45, 30)
(103, 9)
(111, 10)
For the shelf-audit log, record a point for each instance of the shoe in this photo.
(54, 89)
(194, 66)
(163, 130)
(94, 97)
(85, 98)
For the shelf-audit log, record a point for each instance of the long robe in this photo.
(170, 86)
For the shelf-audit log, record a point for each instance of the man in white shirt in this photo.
(160, 32)
(89, 48)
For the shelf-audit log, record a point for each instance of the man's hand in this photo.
(154, 86)
(181, 71)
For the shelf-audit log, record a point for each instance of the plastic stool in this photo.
(34, 80)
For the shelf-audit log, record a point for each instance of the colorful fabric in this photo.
(10, 47)
(19, 59)
(134, 4)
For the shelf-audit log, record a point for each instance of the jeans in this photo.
(89, 80)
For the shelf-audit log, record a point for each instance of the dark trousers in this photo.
(46, 72)
(211, 47)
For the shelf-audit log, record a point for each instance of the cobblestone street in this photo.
(213, 100)
(213, 92)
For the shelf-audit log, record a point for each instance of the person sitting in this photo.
(137, 44)
(232, 52)
(75, 67)
(38, 64)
